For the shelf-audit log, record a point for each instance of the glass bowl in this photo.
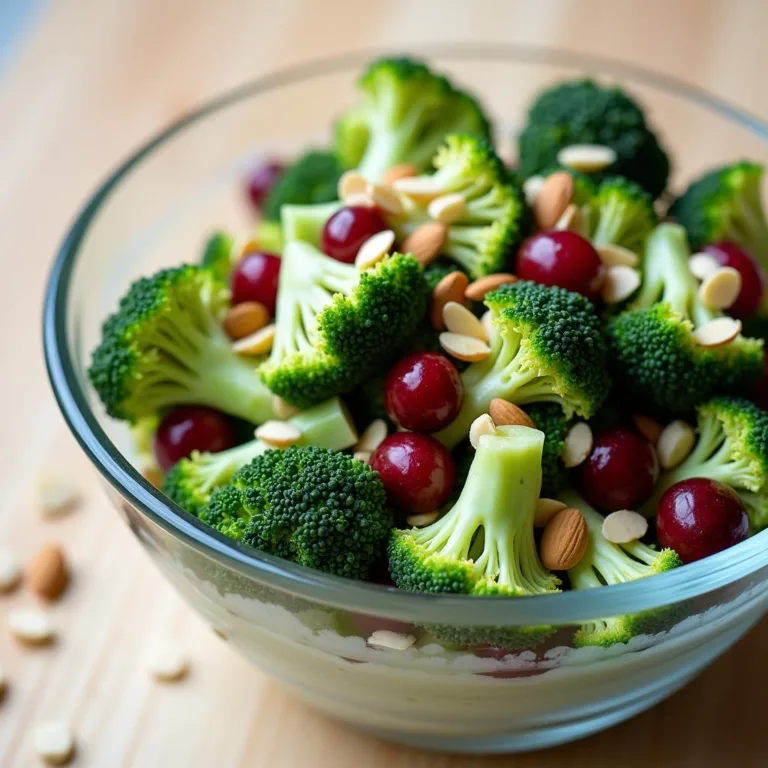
(309, 629)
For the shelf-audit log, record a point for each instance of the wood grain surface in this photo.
(88, 84)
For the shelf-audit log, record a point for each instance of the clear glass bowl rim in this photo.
(566, 607)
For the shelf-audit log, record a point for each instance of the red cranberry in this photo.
(190, 428)
(348, 229)
(417, 471)
(423, 392)
(752, 277)
(262, 179)
(700, 517)
(561, 258)
(759, 394)
(256, 278)
(621, 471)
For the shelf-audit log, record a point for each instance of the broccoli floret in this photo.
(546, 346)
(551, 420)
(335, 324)
(165, 346)
(217, 255)
(624, 214)
(191, 481)
(405, 112)
(485, 544)
(315, 507)
(311, 178)
(607, 563)
(306, 222)
(656, 358)
(583, 112)
(481, 239)
(733, 449)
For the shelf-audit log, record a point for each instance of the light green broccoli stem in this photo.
(306, 222)
(616, 225)
(756, 505)
(748, 226)
(269, 236)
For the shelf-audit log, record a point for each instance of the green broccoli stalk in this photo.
(315, 507)
(190, 482)
(550, 419)
(218, 255)
(483, 237)
(657, 360)
(625, 214)
(311, 178)
(405, 112)
(547, 346)
(268, 236)
(165, 346)
(733, 449)
(334, 324)
(306, 222)
(608, 563)
(583, 112)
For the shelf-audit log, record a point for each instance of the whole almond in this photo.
(648, 427)
(564, 541)
(553, 198)
(477, 290)
(425, 242)
(244, 319)
(48, 572)
(505, 413)
(401, 171)
(451, 288)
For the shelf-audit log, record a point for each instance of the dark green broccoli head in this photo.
(217, 255)
(583, 112)
(405, 112)
(550, 419)
(624, 214)
(165, 346)
(311, 178)
(315, 507)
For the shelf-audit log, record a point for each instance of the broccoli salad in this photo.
(433, 370)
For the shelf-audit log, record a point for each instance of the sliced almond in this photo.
(169, 666)
(364, 456)
(505, 413)
(422, 520)
(450, 289)
(426, 242)
(578, 444)
(244, 319)
(54, 742)
(418, 187)
(487, 322)
(619, 284)
(386, 198)
(624, 526)
(675, 442)
(373, 436)
(259, 343)
(48, 572)
(465, 348)
(401, 171)
(532, 186)
(702, 265)
(360, 200)
(374, 249)
(447, 208)
(458, 319)
(57, 495)
(553, 199)
(718, 332)
(30, 626)
(587, 158)
(279, 434)
(649, 428)
(617, 256)
(570, 220)
(564, 541)
(351, 183)
(282, 409)
(394, 641)
(721, 288)
(546, 509)
(477, 290)
(10, 572)
(482, 425)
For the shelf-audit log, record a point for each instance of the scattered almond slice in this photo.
(426, 242)
(718, 332)
(587, 158)
(570, 220)
(373, 436)
(395, 641)
(418, 187)
(447, 208)
(482, 425)
(282, 409)
(386, 198)
(649, 428)
(617, 256)
(351, 183)
(721, 288)
(578, 444)
(48, 573)
(624, 526)
(244, 319)
(54, 742)
(279, 434)
(451, 288)
(477, 290)
(459, 320)
(532, 186)
(564, 541)
(258, 343)
(374, 249)
(422, 520)
(10, 572)
(505, 413)
(364, 456)
(553, 200)
(56, 493)
(360, 200)
(702, 265)
(463, 347)
(401, 171)
(546, 509)
(169, 666)
(30, 626)
(619, 284)
(675, 442)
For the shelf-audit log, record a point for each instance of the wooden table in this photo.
(91, 81)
